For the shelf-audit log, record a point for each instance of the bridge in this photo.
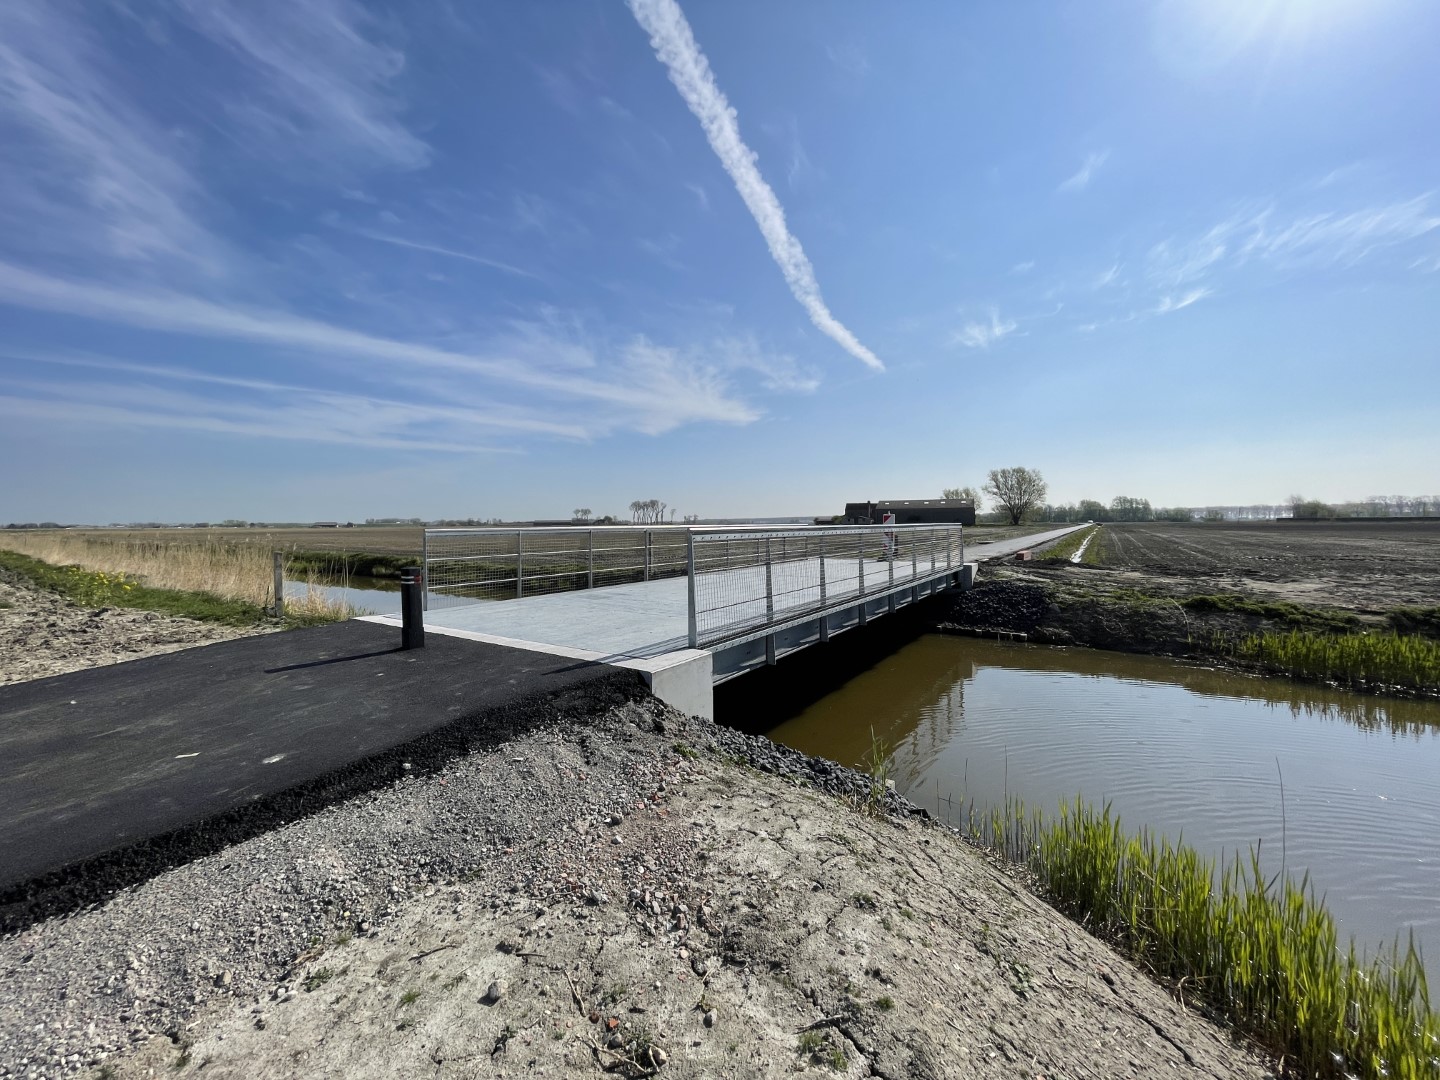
(689, 607)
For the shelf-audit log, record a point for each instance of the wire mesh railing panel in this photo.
(468, 566)
(745, 578)
(749, 580)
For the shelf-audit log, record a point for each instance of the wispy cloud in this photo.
(433, 249)
(701, 196)
(1330, 239)
(1183, 300)
(1086, 173)
(650, 388)
(323, 80)
(849, 58)
(1023, 267)
(1108, 277)
(85, 173)
(662, 250)
(689, 70)
(981, 335)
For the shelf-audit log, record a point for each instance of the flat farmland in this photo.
(369, 539)
(1363, 566)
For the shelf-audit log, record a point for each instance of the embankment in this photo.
(1063, 605)
(636, 891)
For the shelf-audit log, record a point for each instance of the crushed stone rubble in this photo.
(42, 634)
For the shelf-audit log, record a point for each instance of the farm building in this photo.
(912, 512)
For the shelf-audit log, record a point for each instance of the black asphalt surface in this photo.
(97, 762)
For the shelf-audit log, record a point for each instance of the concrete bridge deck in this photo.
(644, 625)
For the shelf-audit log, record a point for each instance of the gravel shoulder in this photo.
(42, 634)
(592, 898)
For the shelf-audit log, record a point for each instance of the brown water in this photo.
(1189, 752)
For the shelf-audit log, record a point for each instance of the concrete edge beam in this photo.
(684, 679)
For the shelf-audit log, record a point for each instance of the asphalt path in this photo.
(99, 760)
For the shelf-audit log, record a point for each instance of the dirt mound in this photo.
(42, 634)
(1003, 605)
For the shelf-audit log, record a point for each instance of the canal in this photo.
(1189, 752)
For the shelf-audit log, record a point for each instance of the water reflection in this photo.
(368, 596)
(1191, 752)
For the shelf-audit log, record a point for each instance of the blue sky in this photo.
(343, 259)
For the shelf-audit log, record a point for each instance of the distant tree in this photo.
(1092, 510)
(1309, 509)
(1017, 491)
(1126, 508)
(581, 515)
(963, 493)
(647, 511)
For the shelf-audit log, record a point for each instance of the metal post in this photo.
(690, 580)
(861, 583)
(425, 570)
(769, 587)
(279, 584)
(914, 562)
(519, 564)
(590, 559)
(412, 618)
(647, 554)
(822, 570)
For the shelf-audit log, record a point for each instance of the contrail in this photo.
(675, 45)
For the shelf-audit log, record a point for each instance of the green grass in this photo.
(317, 979)
(1293, 615)
(1368, 660)
(1262, 954)
(1067, 546)
(93, 588)
(349, 564)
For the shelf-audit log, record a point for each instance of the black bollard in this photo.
(412, 616)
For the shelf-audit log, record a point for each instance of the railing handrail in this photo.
(686, 528)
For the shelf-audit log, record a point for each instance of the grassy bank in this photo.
(99, 588)
(1065, 548)
(230, 571)
(1371, 661)
(1263, 955)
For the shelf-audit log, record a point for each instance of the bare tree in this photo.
(1016, 491)
(647, 512)
(964, 494)
(581, 515)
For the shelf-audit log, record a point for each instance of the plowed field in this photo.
(1365, 566)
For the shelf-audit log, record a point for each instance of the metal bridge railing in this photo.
(746, 583)
(467, 566)
(743, 580)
